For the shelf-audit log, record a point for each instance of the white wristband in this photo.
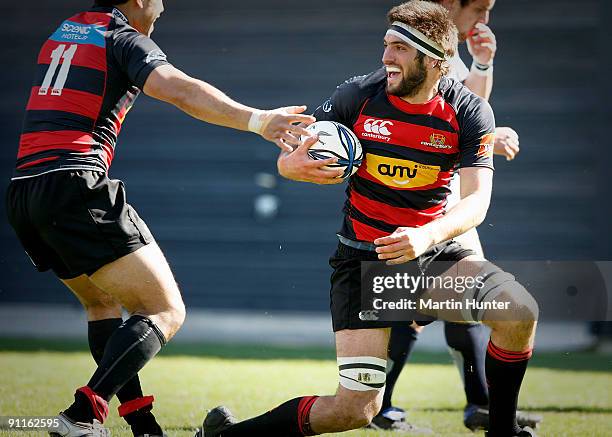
(484, 70)
(256, 121)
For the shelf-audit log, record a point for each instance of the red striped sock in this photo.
(304, 408)
(505, 371)
(508, 356)
(290, 419)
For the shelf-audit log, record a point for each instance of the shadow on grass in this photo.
(538, 409)
(571, 361)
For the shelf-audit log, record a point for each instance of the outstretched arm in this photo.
(205, 102)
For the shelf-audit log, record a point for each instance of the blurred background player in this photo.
(71, 218)
(467, 342)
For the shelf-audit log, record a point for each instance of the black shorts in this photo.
(345, 294)
(74, 221)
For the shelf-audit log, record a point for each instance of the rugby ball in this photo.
(336, 141)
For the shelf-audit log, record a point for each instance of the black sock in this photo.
(468, 343)
(129, 348)
(505, 371)
(141, 420)
(291, 419)
(401, 342)
(137, 413)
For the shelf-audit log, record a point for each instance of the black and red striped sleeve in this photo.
(136, 54)
(477, 134)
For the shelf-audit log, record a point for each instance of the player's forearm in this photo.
(207, 103)
(467, 214)
(480, 85)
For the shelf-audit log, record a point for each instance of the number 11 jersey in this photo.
(89, 72)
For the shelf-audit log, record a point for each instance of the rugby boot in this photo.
(145, 425)
(216, 421)
(476, 417)
(524, 432)
(393, 419)
(68, 428)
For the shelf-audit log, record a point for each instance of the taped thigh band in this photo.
(494, 281)
(362, 373)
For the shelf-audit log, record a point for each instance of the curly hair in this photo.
(433, 21)
(464, 3)
(110, 2)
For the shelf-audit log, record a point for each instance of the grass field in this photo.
(573, 391)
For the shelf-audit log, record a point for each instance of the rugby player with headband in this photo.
(417, 40)
(467, 342)
(434, 125)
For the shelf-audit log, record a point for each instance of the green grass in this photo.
(38, 378)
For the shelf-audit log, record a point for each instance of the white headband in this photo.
(417, 40)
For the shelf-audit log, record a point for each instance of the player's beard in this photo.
(412, 82)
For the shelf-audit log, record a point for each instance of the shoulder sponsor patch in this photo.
(487, 143)
(78, 33)
(156, 55)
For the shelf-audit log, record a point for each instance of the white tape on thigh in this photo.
(491, 288)
(362, 373)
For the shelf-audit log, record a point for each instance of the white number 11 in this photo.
(56, 55)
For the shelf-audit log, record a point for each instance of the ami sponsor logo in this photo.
(401, 173)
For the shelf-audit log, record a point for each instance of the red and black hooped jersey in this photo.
(90, 71)
(411, 151)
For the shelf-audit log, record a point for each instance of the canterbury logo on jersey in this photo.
(378, 129)
(437, 141)
(401, 173)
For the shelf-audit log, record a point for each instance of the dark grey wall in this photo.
(195, 184)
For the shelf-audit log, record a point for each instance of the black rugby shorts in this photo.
(74, 221)
(345, 291)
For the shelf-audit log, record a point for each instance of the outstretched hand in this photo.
(281, 127)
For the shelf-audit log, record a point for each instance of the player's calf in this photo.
(358, 398)
(508, 354)
(350, 410)
(510, 346)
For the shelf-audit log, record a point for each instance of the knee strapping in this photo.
(494, 282)
(362, 373)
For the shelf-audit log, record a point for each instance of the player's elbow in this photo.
(482, 207)
(481, 216)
